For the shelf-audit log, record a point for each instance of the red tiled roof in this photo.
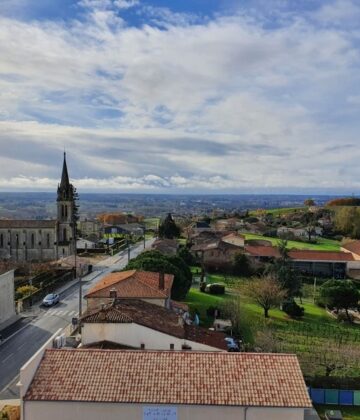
(353, 246)
(310, 255)
(155, 317)
(262, 251)
(169, 377)
(132, 284)
(30, 224)
(299, 254)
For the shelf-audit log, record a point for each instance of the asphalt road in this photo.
(44, 322)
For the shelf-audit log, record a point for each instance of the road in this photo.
(18, 349)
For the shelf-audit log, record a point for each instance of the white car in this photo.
(51, 299)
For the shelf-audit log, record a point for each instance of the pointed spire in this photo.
(65, 189)
(64, 184)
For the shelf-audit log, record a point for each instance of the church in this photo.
(42, 240)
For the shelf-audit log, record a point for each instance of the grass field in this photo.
(152, 222)
(348, 413)
(279, 211)
(312, 338)
(321, 245)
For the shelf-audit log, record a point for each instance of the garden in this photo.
(325, 346)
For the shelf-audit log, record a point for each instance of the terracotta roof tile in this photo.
(262, 251)
(155, 317)
(310, 255)
(168, 377)
(353, 246)
(132, 284)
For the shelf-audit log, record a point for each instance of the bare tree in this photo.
(265, 292)
(267, 341)
(335, 357)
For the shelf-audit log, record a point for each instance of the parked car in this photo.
(232, 344)
(51, 299)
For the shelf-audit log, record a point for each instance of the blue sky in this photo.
(195, 96)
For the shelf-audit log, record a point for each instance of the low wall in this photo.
(334, 396)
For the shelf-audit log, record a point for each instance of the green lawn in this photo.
(152, 222)
(321, 245)
(309, 338)
(349, 413)
(279, 211)
(200, 301)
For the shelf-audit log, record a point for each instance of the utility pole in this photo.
(80, 297)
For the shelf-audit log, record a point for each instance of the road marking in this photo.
(7, 358)
(71, 313)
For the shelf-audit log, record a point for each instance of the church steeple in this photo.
(64, 176)
(65, 189)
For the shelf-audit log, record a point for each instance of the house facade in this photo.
(7, 299)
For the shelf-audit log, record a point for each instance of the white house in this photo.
(7, 299)
(134, 323)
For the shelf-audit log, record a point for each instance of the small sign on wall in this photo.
(159, 413)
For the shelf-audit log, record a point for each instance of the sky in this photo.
(197, 96)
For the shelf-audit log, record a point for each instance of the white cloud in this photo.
(200, 105)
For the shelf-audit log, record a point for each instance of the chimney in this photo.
(161, 280)
(113, 294)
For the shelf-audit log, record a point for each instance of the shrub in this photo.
(293, 309)
(203, 286)
(216, 289)
(24, 291)
(210, 311)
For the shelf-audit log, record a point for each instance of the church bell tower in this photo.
(65, 215)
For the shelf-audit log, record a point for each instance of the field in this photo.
(279, 211)
(152, 222)
(321, 245)
(318, 339)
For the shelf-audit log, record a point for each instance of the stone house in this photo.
(216, 255)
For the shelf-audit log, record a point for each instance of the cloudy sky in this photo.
(180, 95)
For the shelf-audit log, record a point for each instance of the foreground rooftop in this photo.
(168, 377)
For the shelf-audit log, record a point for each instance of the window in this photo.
(1, 241)
(17, 240)
(64, 235)
(172, 346)
(32, 240)
(66, 212)
(142, 346)
(48, 240)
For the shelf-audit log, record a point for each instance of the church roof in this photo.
(27, 224)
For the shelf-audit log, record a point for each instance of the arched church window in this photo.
(66, 211)
(17, 240)
(64, 235)
(32, 240)
(1, 241)
(48, 240)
